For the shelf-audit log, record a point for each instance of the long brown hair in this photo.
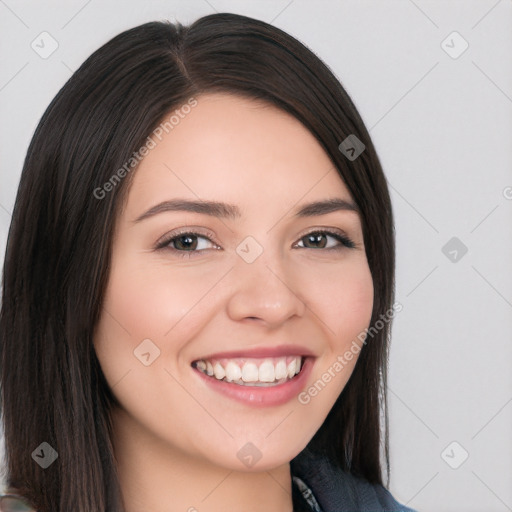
(60, 239)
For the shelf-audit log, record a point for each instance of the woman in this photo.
(198, 284)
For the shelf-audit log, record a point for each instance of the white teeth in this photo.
(233, 371)
(218, 371)
(250, 372)
(271, 371)
(292, 367)
(267, 372)
(281, 371)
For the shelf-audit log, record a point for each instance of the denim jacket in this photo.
(318, 486)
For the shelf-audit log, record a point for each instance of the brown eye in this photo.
(319, 240)
(186, 243)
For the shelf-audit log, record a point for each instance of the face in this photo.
(252, 290)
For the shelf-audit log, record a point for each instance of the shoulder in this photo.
(337, 490)
(11, 502)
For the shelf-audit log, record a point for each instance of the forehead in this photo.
(228, 147)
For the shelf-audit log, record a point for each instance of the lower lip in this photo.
(262, 396)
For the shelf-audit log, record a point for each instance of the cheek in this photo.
(142, 300)
(149, 301)
(344, 303)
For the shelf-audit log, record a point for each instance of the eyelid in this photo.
(192, 230)
(345, 240)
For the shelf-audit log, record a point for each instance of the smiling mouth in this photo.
(260, 372)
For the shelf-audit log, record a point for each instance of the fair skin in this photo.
(176, 437)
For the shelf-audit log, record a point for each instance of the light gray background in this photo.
(443, 129)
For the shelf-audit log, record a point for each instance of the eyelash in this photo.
(346, 242)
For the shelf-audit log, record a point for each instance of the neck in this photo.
(156, 476)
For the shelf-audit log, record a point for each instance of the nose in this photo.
(264, 291)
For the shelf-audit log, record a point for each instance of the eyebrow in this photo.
(231, 211)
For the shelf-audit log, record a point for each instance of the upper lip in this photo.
(260, 352)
